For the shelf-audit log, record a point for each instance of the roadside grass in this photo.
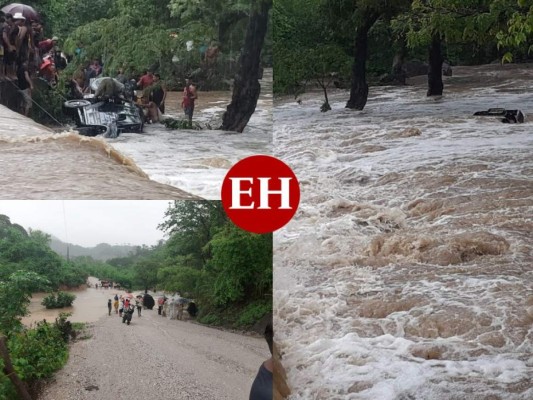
(82, 330)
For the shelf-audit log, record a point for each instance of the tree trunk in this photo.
(325, 106)
(20, 386)
(398, 74)
(435, 85)
(246, 86)
(359, 89)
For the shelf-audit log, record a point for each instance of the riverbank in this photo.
(157, 358)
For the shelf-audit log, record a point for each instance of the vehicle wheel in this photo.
(76, 103)
(128, 322)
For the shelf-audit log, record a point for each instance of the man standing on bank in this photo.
(189, 96)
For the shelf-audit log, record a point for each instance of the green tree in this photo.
(15, 295)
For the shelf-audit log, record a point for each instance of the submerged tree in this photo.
(246, 87)
(354, 19)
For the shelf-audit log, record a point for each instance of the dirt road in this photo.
(158, 358)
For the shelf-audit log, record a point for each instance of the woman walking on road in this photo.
(109, 306)
(115, 304)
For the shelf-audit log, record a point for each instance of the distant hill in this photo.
(102, 251)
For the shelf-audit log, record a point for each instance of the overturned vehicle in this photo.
(105, 111)
(505, 116)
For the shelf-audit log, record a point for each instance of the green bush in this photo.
(253, 313)
(58, 300)
(37, 353)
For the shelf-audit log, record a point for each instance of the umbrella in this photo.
(28, 12)
(127, 295)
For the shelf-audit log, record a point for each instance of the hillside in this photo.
(102, 251)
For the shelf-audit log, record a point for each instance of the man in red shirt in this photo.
(146, 80)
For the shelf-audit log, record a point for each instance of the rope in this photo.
(37, 104)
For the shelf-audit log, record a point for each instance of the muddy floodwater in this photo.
(407, 271)
(37, 163)
(89, 306)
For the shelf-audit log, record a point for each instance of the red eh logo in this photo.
(260, 194)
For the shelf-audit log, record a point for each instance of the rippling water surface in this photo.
(407, 272)
(160, 163)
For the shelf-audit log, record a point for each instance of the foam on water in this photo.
(406, 272)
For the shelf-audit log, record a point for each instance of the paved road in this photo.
(158, 358)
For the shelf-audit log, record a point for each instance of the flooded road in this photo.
(407, 271)
(158, 164)
(89, 306)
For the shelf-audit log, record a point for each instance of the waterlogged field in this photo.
(407, 272)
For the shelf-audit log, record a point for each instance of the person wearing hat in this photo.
(22, 38)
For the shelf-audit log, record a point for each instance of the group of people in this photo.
(153, 90)
(125, 304)
(24, 53)
(154, 93)
(174, 307)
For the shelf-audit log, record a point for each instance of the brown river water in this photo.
(89, 306)
(38, 163)
(407, 272)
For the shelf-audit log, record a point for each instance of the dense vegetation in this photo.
(141, 34)
(30, 252)
(204, 39)
(331, 40)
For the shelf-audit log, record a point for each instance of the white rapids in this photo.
(407, 273)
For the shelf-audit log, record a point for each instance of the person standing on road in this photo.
(109, 306)
(138, 304)
(160, 303)
(115, 304)
(165, 307)
(189, 96)
(180, 311)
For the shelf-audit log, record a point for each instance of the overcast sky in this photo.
(89, 222)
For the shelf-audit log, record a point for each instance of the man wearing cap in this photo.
(22, 38)
(48, 45)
